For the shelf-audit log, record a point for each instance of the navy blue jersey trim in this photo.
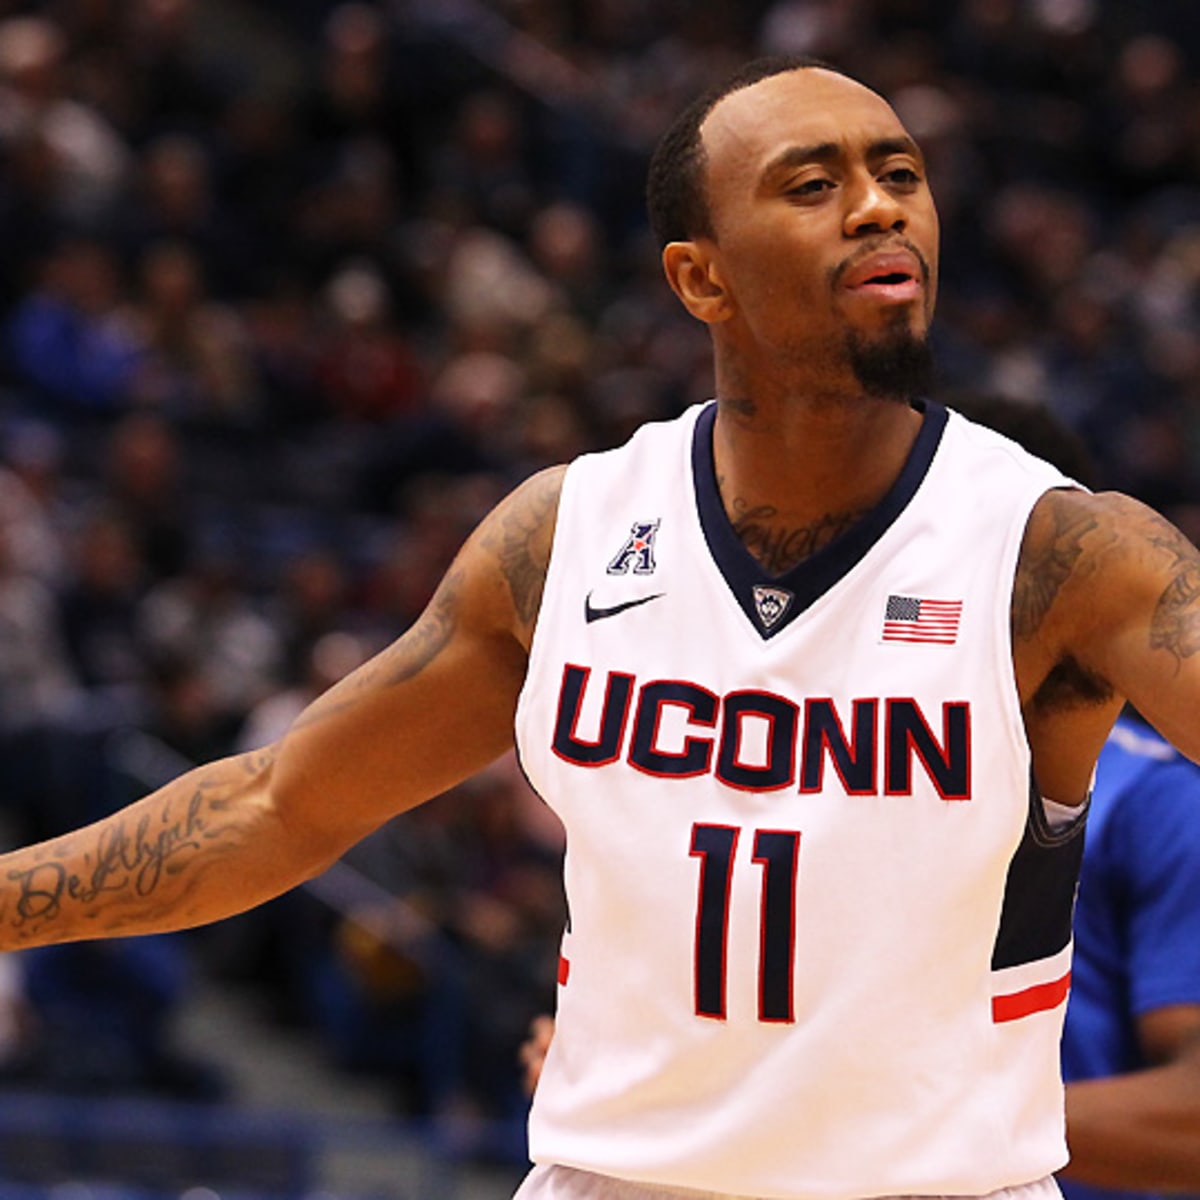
(1039, 893)
(811, 579)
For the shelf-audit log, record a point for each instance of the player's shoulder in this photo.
(503, 565)
(1102, 555)
(514, 542)
(525, 517)
(1028, 434)
(650, 441)
(1113, 512)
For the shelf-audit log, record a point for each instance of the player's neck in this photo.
(798, 474)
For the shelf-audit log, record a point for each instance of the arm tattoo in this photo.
(124, 863)
(512, 535)
(517, 537)
(1044, 568)
(428, 637)
(781, 549)
(1175, 625)
(405, 658)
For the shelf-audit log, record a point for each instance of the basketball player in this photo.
(1131, 1042)
(786, 667)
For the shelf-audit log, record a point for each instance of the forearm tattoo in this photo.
(139, 865)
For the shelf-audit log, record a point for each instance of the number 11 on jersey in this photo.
(777, 852)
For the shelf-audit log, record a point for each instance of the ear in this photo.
(695, 276)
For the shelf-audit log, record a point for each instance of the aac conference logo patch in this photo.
(637, 554)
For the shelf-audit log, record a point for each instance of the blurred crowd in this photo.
(292, 291)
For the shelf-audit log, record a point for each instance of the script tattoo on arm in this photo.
(1047, 564)
(779, 549)
(106, 878)
(1175, 625)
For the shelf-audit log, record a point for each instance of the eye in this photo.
(904, 177)
(808, 188)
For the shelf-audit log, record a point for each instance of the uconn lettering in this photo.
(761, 742)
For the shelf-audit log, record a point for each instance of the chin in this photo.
(894, 364)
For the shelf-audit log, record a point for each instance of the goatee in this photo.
(897, 365)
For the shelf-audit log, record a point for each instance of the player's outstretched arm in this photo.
(430, 710)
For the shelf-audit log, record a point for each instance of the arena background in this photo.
(291, 293)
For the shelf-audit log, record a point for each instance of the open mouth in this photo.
(894, 287)
(891, 284)
(891, 274)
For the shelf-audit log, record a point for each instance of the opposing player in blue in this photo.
(807, 673)
(1131, 1047)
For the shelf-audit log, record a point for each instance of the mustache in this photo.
(882, 245)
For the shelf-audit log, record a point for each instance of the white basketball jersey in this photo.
(819, 939)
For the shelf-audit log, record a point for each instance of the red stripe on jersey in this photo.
(1039, 998)
(564, 970)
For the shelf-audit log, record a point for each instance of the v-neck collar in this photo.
(772, 602)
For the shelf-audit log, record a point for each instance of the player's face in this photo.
(826, 235)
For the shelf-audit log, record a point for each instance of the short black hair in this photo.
(676, 199)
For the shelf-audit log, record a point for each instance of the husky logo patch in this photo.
(638, 551)
(771, 603)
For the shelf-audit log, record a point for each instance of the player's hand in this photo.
(533, 1050)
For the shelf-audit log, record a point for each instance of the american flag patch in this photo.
(912, 619)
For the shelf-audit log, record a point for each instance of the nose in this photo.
(872, 208)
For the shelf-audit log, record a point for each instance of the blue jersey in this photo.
(1137, 920)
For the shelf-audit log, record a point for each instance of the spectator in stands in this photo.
(88, 161)
(71, 341)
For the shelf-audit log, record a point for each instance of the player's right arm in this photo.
(427, 712)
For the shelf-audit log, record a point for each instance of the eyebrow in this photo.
(824, 152)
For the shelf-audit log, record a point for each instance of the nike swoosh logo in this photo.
(591, 613)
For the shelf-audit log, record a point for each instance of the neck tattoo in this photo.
(779, 548)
